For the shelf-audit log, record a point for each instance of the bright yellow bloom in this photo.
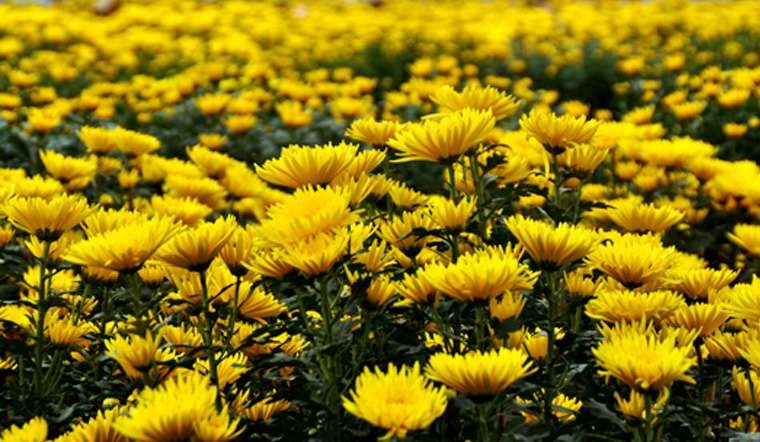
(376, 133)
(444, 139)
(558, 133)
(400, 400)
(98, 428)
(564, 408)
(625, 305)
(508, 306)
(472, 97)
(742, 301)
(257, 303)
(188, 211)
(135, 354)
(746, 236)
(46, 219)
(635, 405)
(66, 330)
(73, 173)
(179, 409)
(481, 275)
(134, 143)
(747, 387)
(632, 260)
(698, 283)
(550, 245)
(583, 158)
(35, 430)
(194, 249)
(480, 373)
(298, 166)
(703, 317)
(125, 248)
(262, 410)
(306, 213)
(450, 215)
(635, 216)
(641, 359)
(229, 368)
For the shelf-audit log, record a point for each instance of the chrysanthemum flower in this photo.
(97, 428)
(635, 216)
(508, 306)
(632, 260)
(698, 283)
(746, 236)
(205, 190)
(746, 387)
(444, 139)
(186, 210)
(262, 410)
(399, 401)
(179, 409)
(307, 213)
(298, 166)
(558, 133)
(258, 304)
(46, 219)
(638, 357)
(135, 354)
(480, 373)
(376, 133)
(550, 245)
(74, 173)
(134, 143)
(481, 275)
(635, 405)
(194, 249)
(35, 430)
(625, 305)
(66, 330)
(473, 97)
(97, 139)
(448, 214)
(706, 318)
(125, 248)
(213, 164)
(564, 408)
(229, 368)
(583, 158)
(742, 301)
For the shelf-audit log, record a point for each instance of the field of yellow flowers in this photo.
(346, 221)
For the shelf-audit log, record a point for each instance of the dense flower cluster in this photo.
(396, 219)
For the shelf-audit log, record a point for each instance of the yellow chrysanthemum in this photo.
(299, 166)
(550, 245)
(742, 301)
(135, 354)
(46, 219)
(98, 428)
(625, 305)
(73, 173)
(558, 133)
(35, 430)
(746, 386)
(444, 139)
(177, 410)
(473, 97)
(641, 359)
(194, 249)
(706, 318)
(746, 236)
(134, 143)
(448, 214)
(376, 133)
(125, 248)
(635, 216)
(399, 401)
(480, 373)
(635, 405)
(481, 275)
(632, 260)
(698, 283)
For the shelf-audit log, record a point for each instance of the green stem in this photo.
(454, 247)
(557, 181)
(233, 317)
(701, 390)
(481, 320)
(40, 333)
(474, 170)
(484, 430)
(648, 418)
(452, 181)
(207, 332)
